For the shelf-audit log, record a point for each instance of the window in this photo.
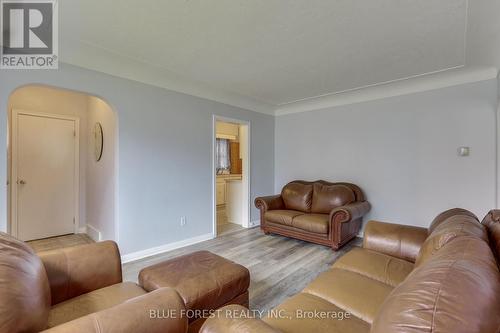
(222, 154)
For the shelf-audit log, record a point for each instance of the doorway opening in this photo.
(62, 164)
(231, 175)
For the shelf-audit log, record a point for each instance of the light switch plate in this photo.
(463, 151)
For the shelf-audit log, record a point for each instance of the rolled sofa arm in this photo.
(235, 319)
(160, 311)
(350, 212)
(397, 240)
(269, 203)
(77, 270)
(492, 223)
(492, 218)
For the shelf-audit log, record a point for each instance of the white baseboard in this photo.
(254, 223)
(164, 248)
(94, 233)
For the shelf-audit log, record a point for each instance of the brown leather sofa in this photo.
(78, 289)
(404, 279)
(319, 212)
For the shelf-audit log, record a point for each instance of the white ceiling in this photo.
(273, 52)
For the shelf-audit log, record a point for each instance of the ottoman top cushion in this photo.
(204, 280)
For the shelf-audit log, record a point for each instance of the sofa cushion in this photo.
(328, 197)
(297, 196)
(375, 265)
(456, 290)
(317, 223)
(352, 292)
(288, 318)
(284, 217)
(24, 288)
(93, 301)
(447, 230)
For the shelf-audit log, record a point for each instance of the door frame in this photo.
(14, 161)
(246, 179)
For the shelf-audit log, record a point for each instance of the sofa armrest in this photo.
(492, 217)
(350, 212)
(269, 203)
(160, 311)
(492, 223)
(77, 270)
(345, 222)
(235, 319)
(401, 241)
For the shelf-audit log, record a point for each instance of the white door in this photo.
(45, 162)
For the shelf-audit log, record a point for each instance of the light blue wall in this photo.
(401, 150)
(164, 153)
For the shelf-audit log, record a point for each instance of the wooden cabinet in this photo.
(236, 164)
(221, 192)
(227, 130)
(221, 187)
(234, 204)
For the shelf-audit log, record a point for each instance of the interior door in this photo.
(45, 163)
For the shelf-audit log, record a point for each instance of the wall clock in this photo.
(98, 141)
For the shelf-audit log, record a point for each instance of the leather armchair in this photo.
(79, 289)
(320, 212)
(130, 316)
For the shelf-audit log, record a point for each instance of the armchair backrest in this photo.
(319, 196)
(24, 288)
(74, 271)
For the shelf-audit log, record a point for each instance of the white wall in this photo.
(243, 136)
(483, 33)
(101, 175)
(41, 99)
(402, 151)
(165, 153)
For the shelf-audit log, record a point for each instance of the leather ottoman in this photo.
(204, 280)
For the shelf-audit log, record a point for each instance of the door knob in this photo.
(21, 182)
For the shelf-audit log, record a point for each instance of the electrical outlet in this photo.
(183, 221)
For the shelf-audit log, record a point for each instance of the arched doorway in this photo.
(60, 184)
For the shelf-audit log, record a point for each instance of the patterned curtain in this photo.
(222, 155)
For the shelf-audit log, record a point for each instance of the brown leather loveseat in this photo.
(79, 290)
(320, 212)
(403, 280)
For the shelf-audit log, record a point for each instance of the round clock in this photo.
(98, 141)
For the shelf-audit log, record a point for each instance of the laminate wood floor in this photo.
(223, 225)
(279, 267)
(59, 242)
(228, 228)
